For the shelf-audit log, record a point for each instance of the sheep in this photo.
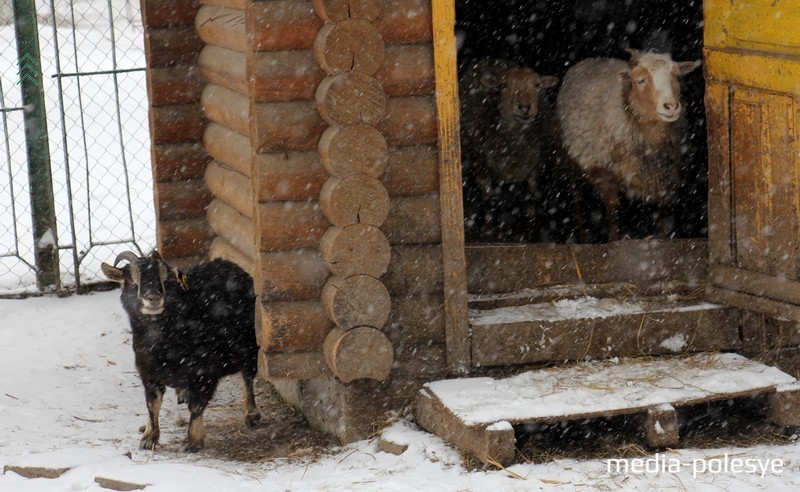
(189, 330)
(503, 121)
(622, 124)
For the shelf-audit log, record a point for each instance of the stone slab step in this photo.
(577, 328)
(479, 414)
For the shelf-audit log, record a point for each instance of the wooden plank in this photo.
(411, 121)
(720, 229)
(177, 84)
(222, 26)
(226, 107)
(176, 124)
(162, 13)
(755, 283)
(280, 25)
(661, 426)
(291, 326)
(779, 309)
(228, 147)
(775, 73)
(415, 270)
(167, 46)
(413, 220)
(220, 248)
(183, 238)
(231, 187)
(497, 268)
(224, 67)
(784, 406)
(231, 4)
(417, 322)
(292, 365)
(235, 228)
(179, 162)
(182, 199)
(601, 328)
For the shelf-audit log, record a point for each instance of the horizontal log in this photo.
(224, 67)
(415, 270)
(284, 126)
(353, 149)
(234, 227)
(167, 46)
(285, 75)
(231, 187)
(428, 362)
(349, 98)
(220, 248)
(178, 84)
(184, 263)
(182, 199)
(222, 26)
(290, 176)
(340, 10)
(359, 300)
(362, 352)
(412, 170)
(417, 321)
(356, 249)
(284, 25)
(291, 225)
(178, 162)
(176, 124)
(406, 22)
(297, 275)
(414, 220)
(356, 199)
(410, 121)
(179, 238)
(291, 326)
(160, 13)
(407, 70)
(230, 148)
(292, 365)
(231, 4)
(226, 107)
(349, 45)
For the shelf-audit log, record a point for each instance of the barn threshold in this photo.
(479, 414)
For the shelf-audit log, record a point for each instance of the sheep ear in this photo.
(113, 273)
(634, 53)
(688, 67)
(547, 81)
(489, 80)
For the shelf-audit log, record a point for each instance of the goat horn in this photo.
(127, 255)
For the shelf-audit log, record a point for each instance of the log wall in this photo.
(177, 123)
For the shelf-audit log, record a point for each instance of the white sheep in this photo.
(502, 119)
(622, 124)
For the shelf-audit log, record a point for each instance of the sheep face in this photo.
(519, 90)
(651, 80)
(143, 281)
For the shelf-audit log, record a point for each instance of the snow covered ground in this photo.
(70, 397)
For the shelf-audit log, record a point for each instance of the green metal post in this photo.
(39, 174)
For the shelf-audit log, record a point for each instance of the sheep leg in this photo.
(252, 417)
(607, 187)
(153, 394)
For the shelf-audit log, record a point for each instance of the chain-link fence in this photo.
(95, 97)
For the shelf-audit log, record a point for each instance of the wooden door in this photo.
(752, 63)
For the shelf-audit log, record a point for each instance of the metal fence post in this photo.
(37, 146)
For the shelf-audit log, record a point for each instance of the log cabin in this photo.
(316, 144)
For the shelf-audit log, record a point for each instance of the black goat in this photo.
(189, 330)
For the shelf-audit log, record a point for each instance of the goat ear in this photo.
(546, 81)
(687, 67)
(155, 255)
(181, 278)
(489, 80)
(113, 273)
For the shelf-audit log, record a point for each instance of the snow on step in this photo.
(477, 413)
(573, 329)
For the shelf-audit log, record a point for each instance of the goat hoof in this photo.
(148, 444)
(252, 421)
(191, 447)
(142, 428)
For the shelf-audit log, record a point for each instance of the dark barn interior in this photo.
(550, 36)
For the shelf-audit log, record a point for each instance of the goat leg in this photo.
(153, 394)
(252, 417)
(197, 401)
